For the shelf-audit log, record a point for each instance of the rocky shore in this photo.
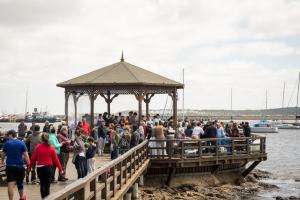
(211, 187)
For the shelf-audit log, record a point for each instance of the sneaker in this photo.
(27, 179)
(53, 181)
(62, 179)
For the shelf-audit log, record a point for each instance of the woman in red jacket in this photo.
(45, 157)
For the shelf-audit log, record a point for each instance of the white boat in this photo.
(264, 127)
(288, 126)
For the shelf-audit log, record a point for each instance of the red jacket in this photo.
(86, 128)
(45, 154)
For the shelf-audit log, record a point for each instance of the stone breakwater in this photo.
(211, 187)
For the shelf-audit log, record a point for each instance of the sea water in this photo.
(283, 162)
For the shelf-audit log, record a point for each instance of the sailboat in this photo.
(264, 126)
(295, 125)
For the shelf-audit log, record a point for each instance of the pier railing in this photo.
(207, 149)
(114, 179)
(111, 181)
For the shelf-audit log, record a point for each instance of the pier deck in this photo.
(158, 157)
(33, 190)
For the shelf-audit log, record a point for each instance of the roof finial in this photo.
(122, 57)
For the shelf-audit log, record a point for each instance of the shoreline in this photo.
(209, 186)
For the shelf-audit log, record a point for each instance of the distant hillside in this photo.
(276, 113)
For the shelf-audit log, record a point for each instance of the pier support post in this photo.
(135, 190)
(250, 168)
(67, 94)
(128, 195)
(141, 180)
(171, 174)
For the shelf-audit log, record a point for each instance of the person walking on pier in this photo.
(15, 150)
(22, 128)
(90, 154)
(101, 139)
(159, 135)
(79, 158)
(65, 149)
(86, 127)
(44, 158)
(53, 141)
(34, 140)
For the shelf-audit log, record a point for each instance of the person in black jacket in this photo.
(247, 129)
(90, 154)
(101, 139)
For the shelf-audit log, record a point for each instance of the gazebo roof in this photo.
(120, 73)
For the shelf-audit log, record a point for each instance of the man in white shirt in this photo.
(197, 131)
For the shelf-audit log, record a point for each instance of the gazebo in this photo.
(120, 78)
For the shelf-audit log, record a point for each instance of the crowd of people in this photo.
(44, 151)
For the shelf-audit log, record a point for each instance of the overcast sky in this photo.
(249, 46)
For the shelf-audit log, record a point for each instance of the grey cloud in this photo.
(15, 13)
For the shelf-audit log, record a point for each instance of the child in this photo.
(90, 153)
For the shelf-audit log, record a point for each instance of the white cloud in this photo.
(218, 43)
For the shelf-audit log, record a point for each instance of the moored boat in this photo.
(288, 126)
(264, 127)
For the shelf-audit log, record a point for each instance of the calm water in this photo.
(283, 162)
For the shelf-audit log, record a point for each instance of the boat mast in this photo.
(282, 104)
(182, 95)
(266, 104)
(283, 93)
(297, 98)
(231, 117)
(26, 101)
(266, 99)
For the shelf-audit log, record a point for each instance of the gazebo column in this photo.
(147, 101)
(173, 94)
(67, 94)
(92, 101)
(108, 99)
(75, 100)
(140, 97)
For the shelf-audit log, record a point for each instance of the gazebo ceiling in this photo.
(120, 74)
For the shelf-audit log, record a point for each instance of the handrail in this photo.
(114, 178)
(108, 179)
(183, 149)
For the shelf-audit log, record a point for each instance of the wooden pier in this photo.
(116, 178)
(167, 158)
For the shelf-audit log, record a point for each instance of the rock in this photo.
(287, 198)
(251, 178)
(268, 186)
(260, 174)
(294, 198)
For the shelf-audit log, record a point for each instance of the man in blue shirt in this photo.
(15, 151)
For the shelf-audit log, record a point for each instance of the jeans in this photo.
(45, 174)
(81, 166)
(114, 154)
(101, 144)
(90, 165)
(33, 174)
(64, 158)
